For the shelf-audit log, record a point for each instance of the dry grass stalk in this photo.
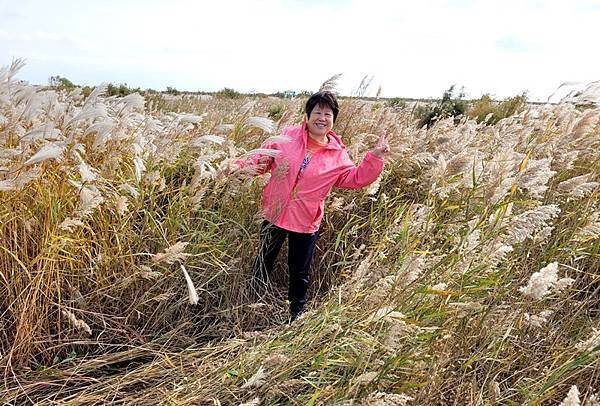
(474, 207)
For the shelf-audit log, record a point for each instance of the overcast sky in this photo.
(411, 48)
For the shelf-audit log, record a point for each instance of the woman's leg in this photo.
(271, 240)
(301, 252)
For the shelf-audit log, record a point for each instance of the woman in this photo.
(305, 169)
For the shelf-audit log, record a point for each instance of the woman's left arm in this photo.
(355, 177)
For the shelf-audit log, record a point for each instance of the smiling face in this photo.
(320, 121)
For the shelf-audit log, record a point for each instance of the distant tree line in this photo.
(427, 111)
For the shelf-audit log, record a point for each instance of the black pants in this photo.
(301, 248)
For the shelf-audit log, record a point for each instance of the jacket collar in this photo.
(335, 141)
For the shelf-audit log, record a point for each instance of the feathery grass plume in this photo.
(593, 400)
(397, 335)
(472, 241)
(192, 293)
(543, 235)
(224, 127)
(77, 323)
(262, 151)
(569, 88)
(363, 268)
(401, 353)
(263, 123)
(563, 283)
(465, 308)
(8, 72)
(572, 398)
(464, 163)
(496, 389)
(245, 109)
(69, 223)
(498, 190)
(132, 191)
(154, 178)
(9, 153)
(536, 176)
(591, 230)
(358, 251)
(103, 130)
(330, 85)
(538, 320)
(93, 112)
(382, 290)
(586, 124)
(578, 187)
(541, 282)
(275, 360)
(412, 268)
(373, 188)
(148, 274)
(46, 132)
(133, 101)
(385, 314)
(387, 399)
(591, 343)
(439, 286)
(419, 216)
(23, 96)
(172, 254)
(336, 203)
(121, 204)
(191, 118)
(204, 170)
(422, 160)
(140, 167)
(87, 173)
(203, 140)
(89, 198)
(51, 150)
(22, 179)
(257, 380)
(524, 225)
(365, 378)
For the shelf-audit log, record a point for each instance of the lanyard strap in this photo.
(304, 163)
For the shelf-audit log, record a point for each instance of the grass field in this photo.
(468, 274)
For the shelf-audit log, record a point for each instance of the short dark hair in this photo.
(325, 98)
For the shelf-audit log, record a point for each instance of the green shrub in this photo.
(172, 90)
(120, 90)
(227, 93)
(396, 103)
(60, 82)
(451, 105)
(275, 112)
(490, 111)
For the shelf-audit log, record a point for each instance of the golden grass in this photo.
(416, 285)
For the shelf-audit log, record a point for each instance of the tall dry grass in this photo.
(468, 274)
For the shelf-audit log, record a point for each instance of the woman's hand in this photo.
(263, 164)
(382, 148)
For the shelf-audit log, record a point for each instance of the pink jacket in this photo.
(295, 201)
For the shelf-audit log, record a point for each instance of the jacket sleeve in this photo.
(355, 177)
(258, 164)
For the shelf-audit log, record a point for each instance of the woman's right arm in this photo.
(258, 163)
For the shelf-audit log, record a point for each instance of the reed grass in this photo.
(418, 293)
